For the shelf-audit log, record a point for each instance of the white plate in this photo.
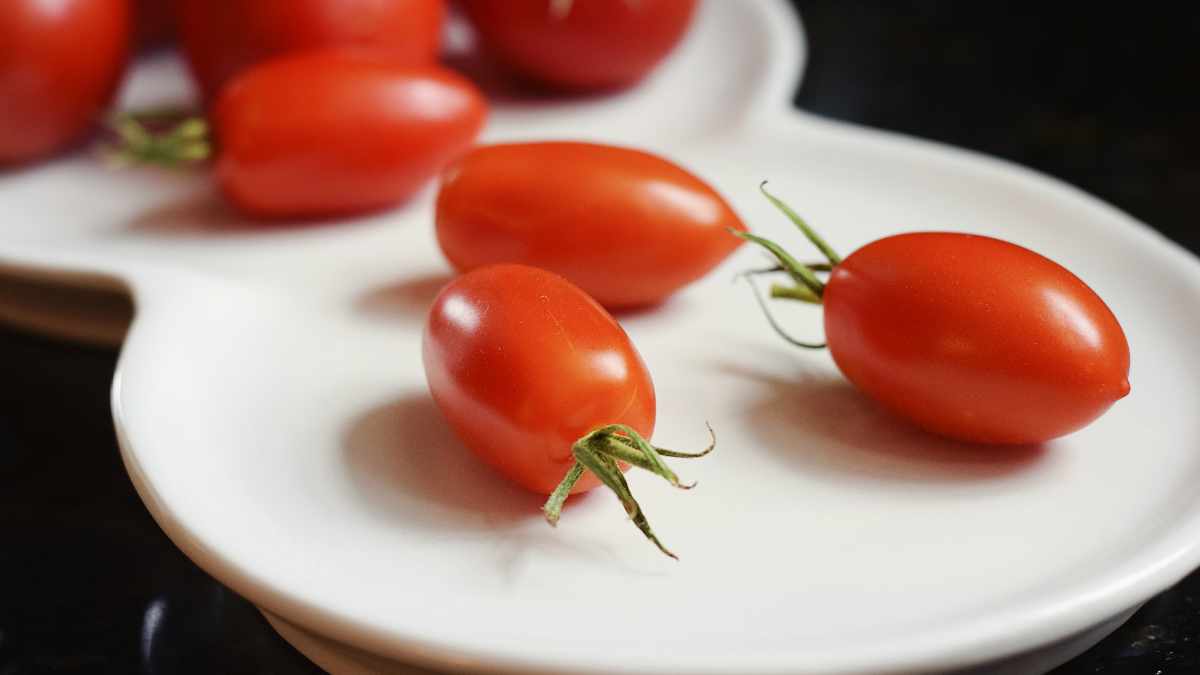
(273, 414)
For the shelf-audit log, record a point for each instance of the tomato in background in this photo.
(60, 64)
(154, 22)
(333, 131)
(626, 226)
(222, 37)
(581, 44)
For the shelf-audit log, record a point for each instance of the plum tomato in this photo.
(626, 226)
(333, 131)
(967, 336)
(221, 38)
(543, 385)
(60, 63)
(581, 45)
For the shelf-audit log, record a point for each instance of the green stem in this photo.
(598, 452)
(794, 293)
(762, 304)
(810, 233)
(159, 137)
(800, 273)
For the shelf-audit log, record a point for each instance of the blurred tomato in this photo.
(223, 37)
(334, 131)
(60, 63)
(155, 22)
(581, 44)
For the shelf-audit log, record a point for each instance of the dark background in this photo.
(1103, 99)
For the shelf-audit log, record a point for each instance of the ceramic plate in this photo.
(273, 414)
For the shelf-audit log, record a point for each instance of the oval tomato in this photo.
(60, 63)
(626, 226)
(974, 338)
(532, 375)
(332, 132)
(967, 336)
(220, 39)
(581, 44)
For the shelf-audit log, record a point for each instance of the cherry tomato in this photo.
(523, 364)
(331, 131)
(533, 375)
(628, 227)
(581, 44)
(223, 37)
(971, 337)
(60, 63)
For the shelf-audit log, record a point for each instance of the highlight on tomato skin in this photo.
(543, 385)
(337, 131)
(581, 45)
(969, 337)
(628, 227)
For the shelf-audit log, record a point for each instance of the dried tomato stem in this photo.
(599, 451)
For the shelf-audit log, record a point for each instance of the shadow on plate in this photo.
(408, 464)
(410, 298)
(411, 470)
(818, 421)
(206, 214)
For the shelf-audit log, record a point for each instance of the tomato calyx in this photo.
(806, 285)
(600, 450)
(168, 137)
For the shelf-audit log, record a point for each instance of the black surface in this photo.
(1099, 98)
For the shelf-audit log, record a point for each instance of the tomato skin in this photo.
(60, 63)
(597, 44)
(333, 132)
(974, 338)
(155, 22)
(626, 226)
(522, 364)
(224, 37)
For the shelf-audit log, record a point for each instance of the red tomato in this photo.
(523, 364)
(60, 63)
(628, 227)
(581, 44)
(223, 37)
(533, 375)
(974, 338)
(970, 337)
(155, 23)
(331, 132)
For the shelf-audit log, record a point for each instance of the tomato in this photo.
(332, 132)
(155, 22)
(60, 63)
(531, 373)
(628, 227)
(223, 37)
(971, 337)
(581, 44)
